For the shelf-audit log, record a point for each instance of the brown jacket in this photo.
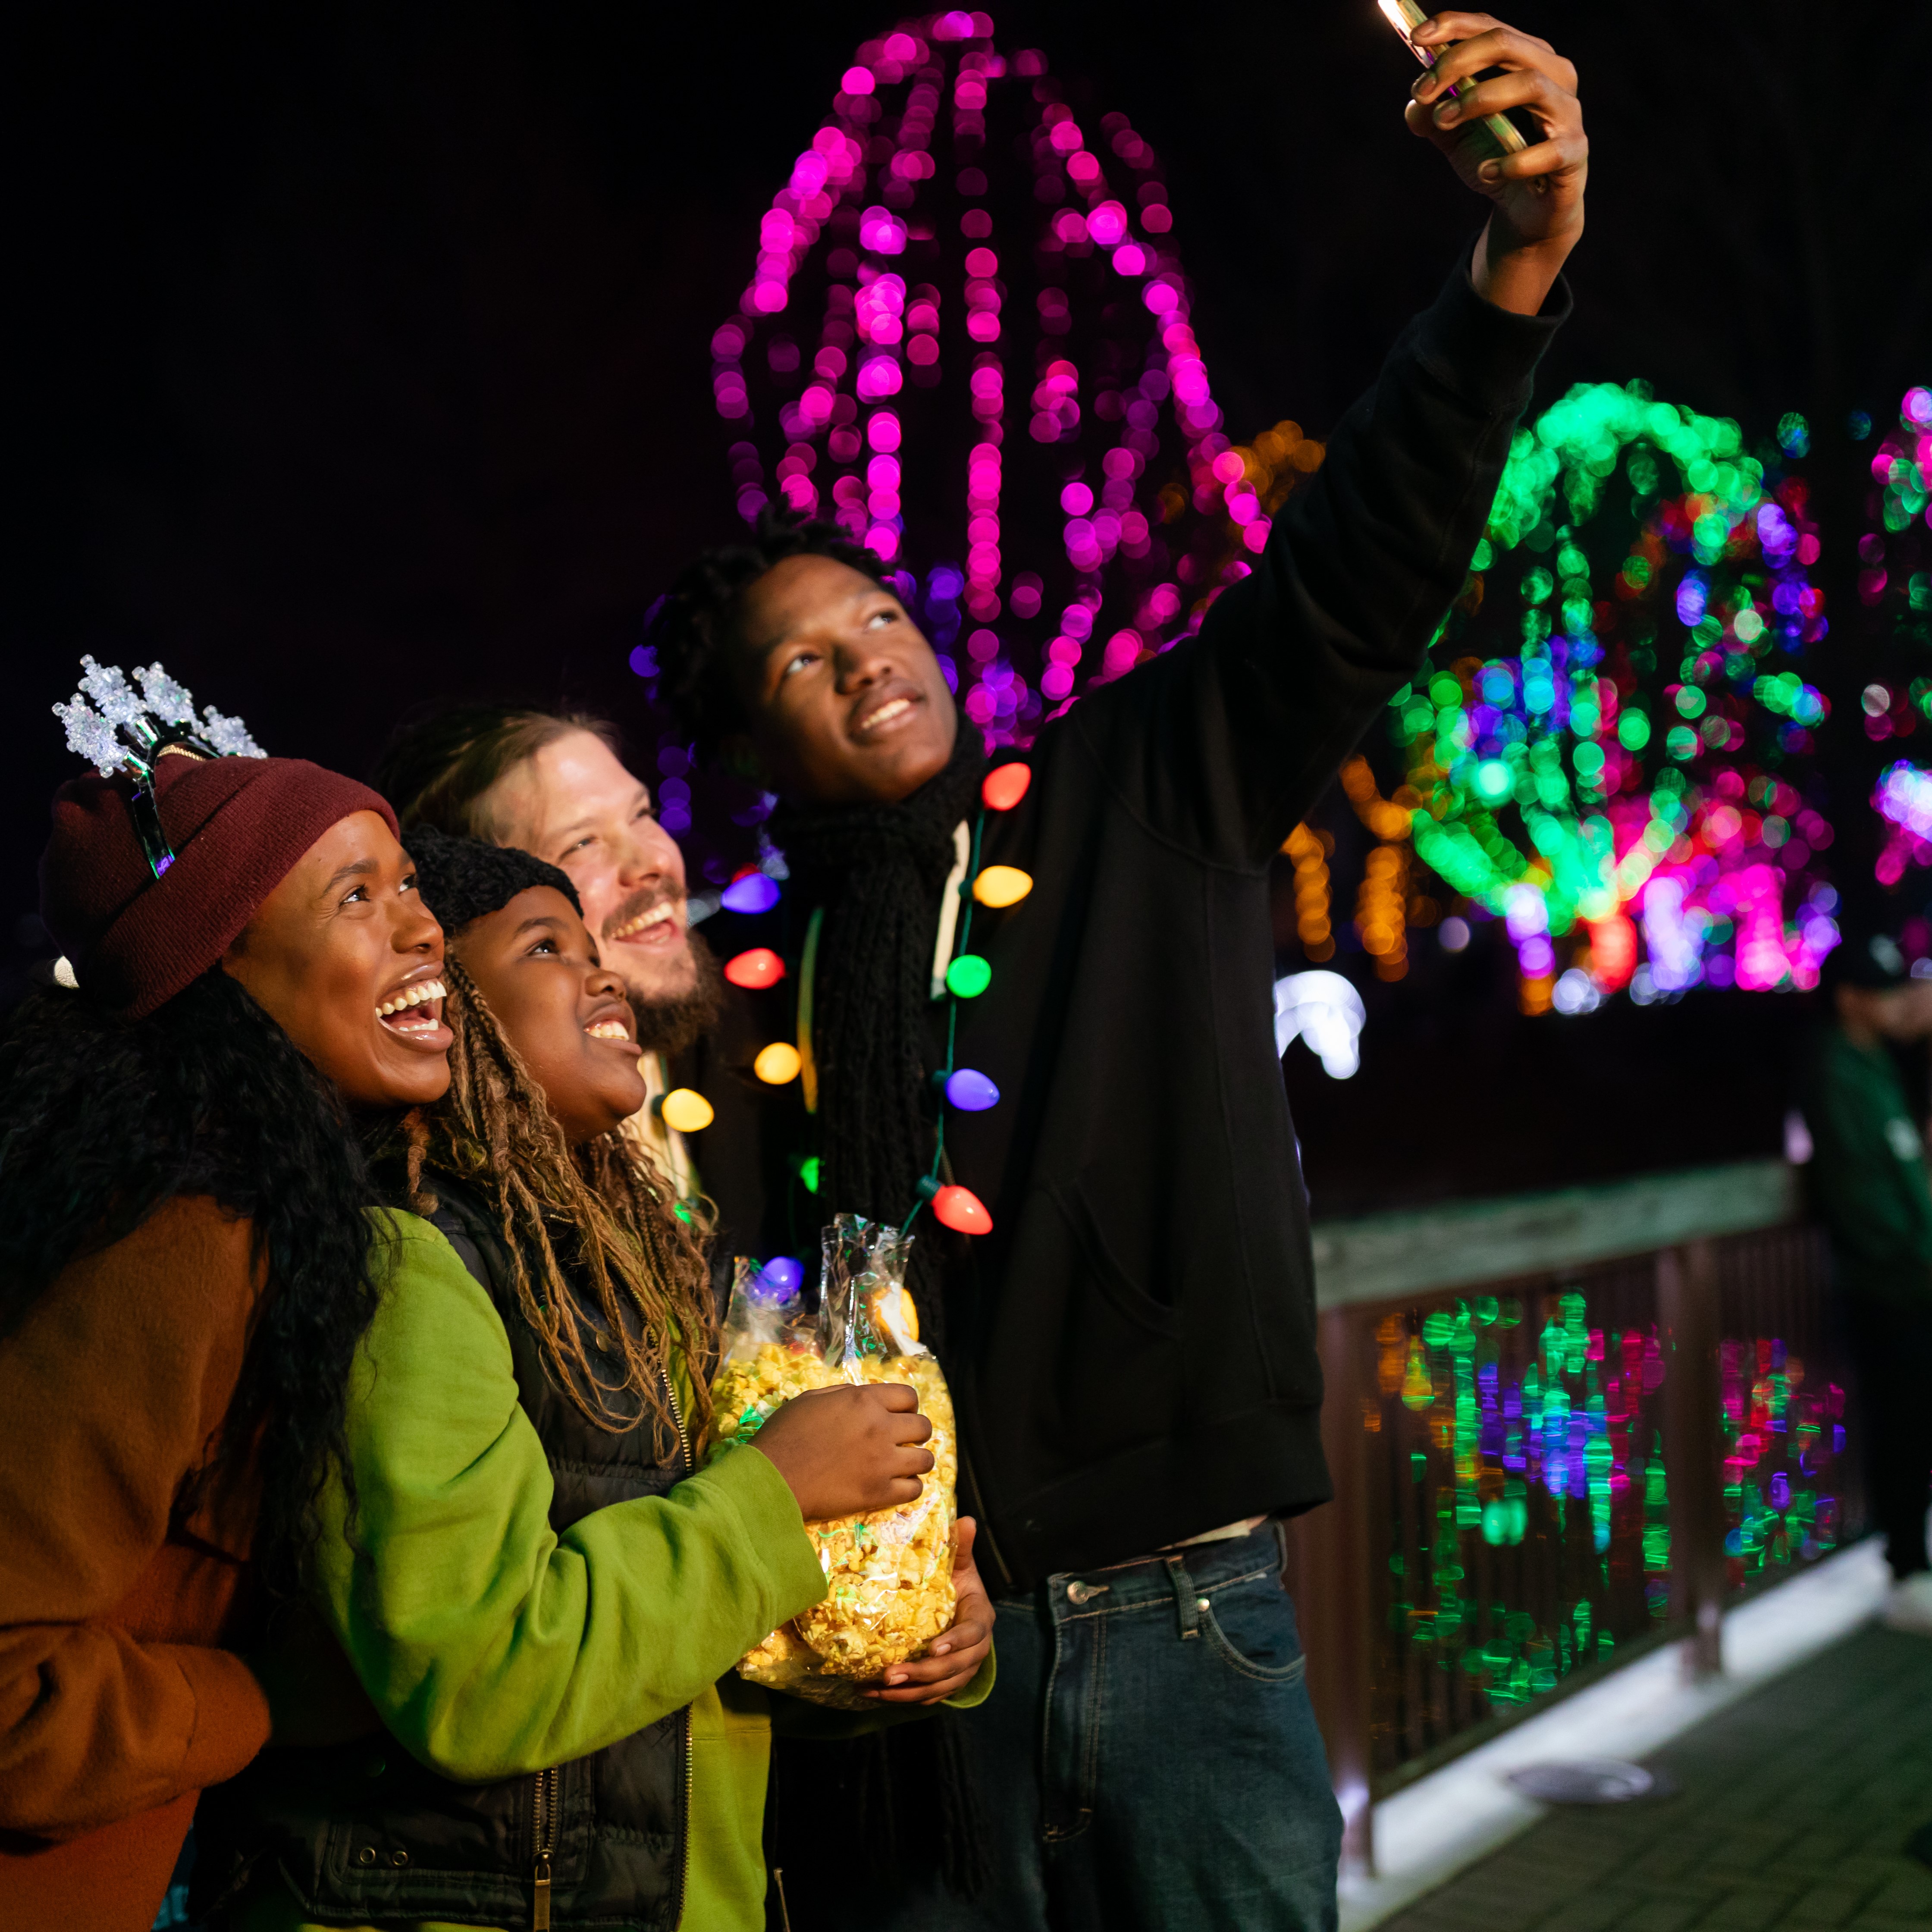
(122, 1578)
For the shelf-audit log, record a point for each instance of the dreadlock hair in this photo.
(700, 611)
(603, 1208)
(440, 770)
(103, 1121)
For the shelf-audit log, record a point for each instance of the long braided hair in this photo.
(601, 1211)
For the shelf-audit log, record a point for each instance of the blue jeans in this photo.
(1148, 1761)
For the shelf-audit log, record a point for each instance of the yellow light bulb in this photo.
(685, 1109)
(778, 1062)
(1002, 886)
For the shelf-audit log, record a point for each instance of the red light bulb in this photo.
(960, 1209)
(1004, 786)
(756, 970)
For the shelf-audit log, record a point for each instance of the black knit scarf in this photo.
(878, 871)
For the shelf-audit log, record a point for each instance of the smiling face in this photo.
(845, 702)
(535, 963)
(574, 803)
(346, 957)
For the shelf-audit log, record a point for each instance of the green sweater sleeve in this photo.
(492, 1646)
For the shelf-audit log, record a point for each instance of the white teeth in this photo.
(412, 996)
(886, 711)
(609, 1030)
(658, 914)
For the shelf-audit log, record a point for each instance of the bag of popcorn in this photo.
(889, 1574)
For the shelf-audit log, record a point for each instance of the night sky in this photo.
(358, 359)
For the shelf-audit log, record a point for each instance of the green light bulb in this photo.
(968, 977)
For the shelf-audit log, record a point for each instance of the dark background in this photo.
(356, 360)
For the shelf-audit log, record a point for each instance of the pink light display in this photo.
(956, 261)
(1895, 584)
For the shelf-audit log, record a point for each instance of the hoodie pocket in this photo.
(1110, 1272)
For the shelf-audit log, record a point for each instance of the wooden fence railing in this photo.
(1563, 1428)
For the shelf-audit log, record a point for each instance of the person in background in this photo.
(1124, 1304)
(544, 1593)
(1868, 1183)
(186, 1269)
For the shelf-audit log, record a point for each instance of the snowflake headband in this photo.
(119, 731)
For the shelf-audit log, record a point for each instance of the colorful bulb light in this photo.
(960, 1209)
(1005, 786)
(970, 1092)
(757, 970)
(968, 977)
(781, 1276)
(750, 892)
(685, 1109)
(1000, 886)
(777, 1063)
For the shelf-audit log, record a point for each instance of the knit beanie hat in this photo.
(134, 938)
(462, 879)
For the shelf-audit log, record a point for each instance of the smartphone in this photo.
(1404, 16)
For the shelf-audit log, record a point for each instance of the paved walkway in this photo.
(1792, 1810)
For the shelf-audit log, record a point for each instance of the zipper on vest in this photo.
(543, 1836)
(677, 1416)
(690, 1772)
(684, 1845)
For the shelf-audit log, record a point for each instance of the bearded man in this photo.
(553, 783)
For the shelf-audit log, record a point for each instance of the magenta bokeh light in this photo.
(966, 337)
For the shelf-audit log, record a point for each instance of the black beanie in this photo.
(463, 879)
(1868, 957)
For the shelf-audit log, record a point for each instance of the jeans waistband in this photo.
(1202, 1567)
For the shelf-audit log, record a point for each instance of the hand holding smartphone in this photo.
(1404, 16)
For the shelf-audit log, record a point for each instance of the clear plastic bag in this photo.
(889, 1574)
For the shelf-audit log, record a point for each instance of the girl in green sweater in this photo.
(540, 1595)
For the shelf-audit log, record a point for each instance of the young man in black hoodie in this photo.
(1132, 1344)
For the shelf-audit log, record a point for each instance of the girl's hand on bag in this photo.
(847, 1451)
(953, 1658)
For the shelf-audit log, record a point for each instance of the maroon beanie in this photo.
(237, 826)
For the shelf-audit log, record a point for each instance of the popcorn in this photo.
(889, 1574)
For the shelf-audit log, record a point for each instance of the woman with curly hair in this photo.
(544, 1596)
(187, 1265)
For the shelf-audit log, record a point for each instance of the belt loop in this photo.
(1187, 1606)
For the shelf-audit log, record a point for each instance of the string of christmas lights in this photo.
(1895, 587)
(1627, 740)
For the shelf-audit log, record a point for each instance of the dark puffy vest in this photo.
(364, 1833)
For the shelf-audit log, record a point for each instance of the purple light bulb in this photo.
(781, 1275)
(754, 892)
(971, 1093)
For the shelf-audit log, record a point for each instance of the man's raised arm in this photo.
(1240, 731)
